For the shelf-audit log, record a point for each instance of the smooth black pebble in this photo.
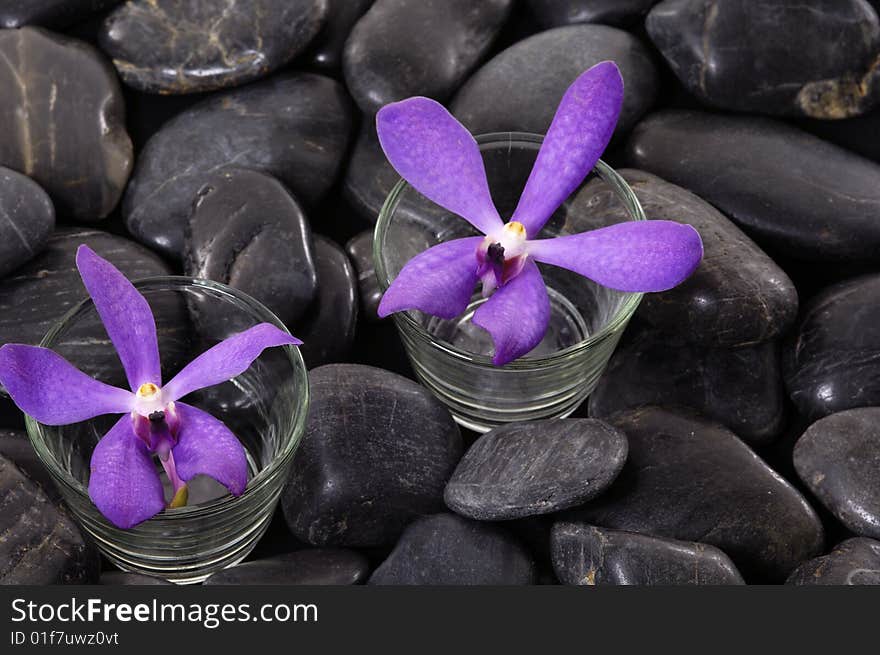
(838, 458)
(180, 46)
(400, 49)
(360, 251)
(553, 13)
(377, 452)
(739, 387)
(587, 555)
(65, 121)
(293, 126)
(832, 361)
(787, 189)
(738, 295)
(16, 447)
(784, 57)
(39, 543)
(855, 561)
(537, 467)
(311, 566)
(446, 549)
(328, 328)
(56, 14)
(248, 231)
(518, 89)
(27, 218)
(691, 479)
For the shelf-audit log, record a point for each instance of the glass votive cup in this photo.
(265, 407)
(452, 358)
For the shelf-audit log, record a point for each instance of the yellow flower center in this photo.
(515, 229)
(147, 390)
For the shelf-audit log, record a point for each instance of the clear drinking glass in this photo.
(265, 407)
(452, 357)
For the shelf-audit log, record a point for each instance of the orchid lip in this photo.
(158, 430)
(511, 238)
(495, 253)
(501, 256)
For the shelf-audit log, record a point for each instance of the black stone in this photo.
(446, 549)
(738, 296)
(328, 328)
(690, 479)
(180, 46)
(326, 53)
(65, 121)
(295, 127)
(785, 57)
(832, 362)
(838, 458)
(787, 189)
(118, 578)
(518, 90)
(360, 251)
(554, 13)
(741, 388)
(38, 294)
(39, 543)
(586, 555)
(369, 177)
(539, 467)
(852, 562)
(16, 447)
(27, 218)
(312, 566)
(248, 231)
(400, 49)
(49, 13)
(377, 452)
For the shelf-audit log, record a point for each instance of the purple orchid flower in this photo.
(437, 155)
(124, 483)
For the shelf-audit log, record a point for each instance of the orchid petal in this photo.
(124, 483)
(517, 315)
(227, 359)
(47, 387)
(636, 256)
(205, 446)
(579, 133)
(437, 155)
(126, 316)
(439, 281)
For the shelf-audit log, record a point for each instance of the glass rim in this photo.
(263, 477)
(407, 319)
